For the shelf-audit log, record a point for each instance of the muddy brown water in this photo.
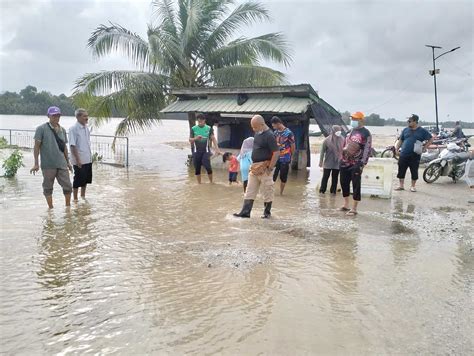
(152, 263)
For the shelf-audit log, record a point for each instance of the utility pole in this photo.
(433, 73)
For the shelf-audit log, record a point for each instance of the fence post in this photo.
(126, 158)
(10, 137)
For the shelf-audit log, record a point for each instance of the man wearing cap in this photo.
(81, 156)
(355, 155)
(200, 138)
(411, 142)
(51, 146)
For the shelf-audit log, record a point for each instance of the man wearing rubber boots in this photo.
(265, 155)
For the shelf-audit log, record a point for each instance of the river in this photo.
(152, 263)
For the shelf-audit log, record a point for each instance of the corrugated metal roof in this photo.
(252, 105)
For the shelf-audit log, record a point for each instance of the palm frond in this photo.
(115, 38)
(107, 82)
(245, 76)
(243, 15)
(140, 108)
(271, 47)
(165, 15)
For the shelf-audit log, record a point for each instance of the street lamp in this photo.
(433, 73)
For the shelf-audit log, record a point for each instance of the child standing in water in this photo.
(233, 167)
(245, 160)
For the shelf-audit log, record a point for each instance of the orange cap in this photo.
(358, 115)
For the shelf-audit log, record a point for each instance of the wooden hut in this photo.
(232, 108)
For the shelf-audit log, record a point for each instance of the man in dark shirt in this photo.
(411, 136)
(265, 155)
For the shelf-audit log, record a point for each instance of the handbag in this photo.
(61, 144)
(418, 147)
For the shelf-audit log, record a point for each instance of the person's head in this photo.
(54, 114)
(357, 119)
(201, 119)
(227, 156)
(82, 116)
(412, 121)
(277, 124)
(337, 130)
(457, 123)
(258, 124)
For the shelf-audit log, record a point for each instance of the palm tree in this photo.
(193, 44)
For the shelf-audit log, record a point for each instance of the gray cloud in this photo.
(359, 55)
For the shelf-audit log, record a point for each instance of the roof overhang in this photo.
(229, 105)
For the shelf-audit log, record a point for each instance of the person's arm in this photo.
(429, 141)
(321, 155)
(274, 160)
(74, 150)
(399, 142)
(66, 156)
(214, 141)
(36, 152)
(272, 144)
(293, 145)
(367, 150)
(75, 153)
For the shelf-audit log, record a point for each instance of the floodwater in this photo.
(152, 263)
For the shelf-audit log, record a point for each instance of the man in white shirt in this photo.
(81, 156)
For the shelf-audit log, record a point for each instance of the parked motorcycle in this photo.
(451, 163)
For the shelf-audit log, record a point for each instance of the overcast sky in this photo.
(359, 55)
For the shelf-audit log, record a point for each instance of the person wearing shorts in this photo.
(81, 155)
(201, 136)
(51, 147)
(233, 166)
(286, 141)
(408, 157)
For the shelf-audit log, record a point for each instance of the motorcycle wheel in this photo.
(388, 153)
(432, 173)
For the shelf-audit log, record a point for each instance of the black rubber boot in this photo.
(267, 211)
(246, 209)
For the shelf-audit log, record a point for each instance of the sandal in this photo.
(399, 189)
(351, 213)
(344, 209)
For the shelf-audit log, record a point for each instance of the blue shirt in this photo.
(409, 137)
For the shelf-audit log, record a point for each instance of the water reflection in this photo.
(67, 246)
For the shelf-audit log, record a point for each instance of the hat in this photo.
(358, 115)
(414, 117)
(54, 110)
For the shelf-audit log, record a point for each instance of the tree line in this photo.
(31, 102)
(375, 120)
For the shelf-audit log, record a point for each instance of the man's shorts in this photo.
(82, 176)
(61, 175)
(202, 159)
(233, 176)
(281, 169)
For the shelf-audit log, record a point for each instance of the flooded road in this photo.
(152, 263)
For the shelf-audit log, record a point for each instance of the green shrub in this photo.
(13, 163)
(96, 157)
(3, 142)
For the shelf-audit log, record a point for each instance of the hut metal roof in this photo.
(252, 105)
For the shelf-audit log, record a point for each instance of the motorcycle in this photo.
(451, 163)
